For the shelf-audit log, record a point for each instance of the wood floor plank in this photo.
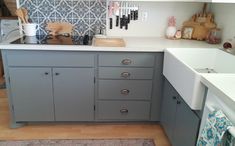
(78, 130)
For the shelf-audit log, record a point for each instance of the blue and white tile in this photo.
(97, 9)
(63, 8)
(82, 26)
(81, 9)
(84, 14)
(94, 23)
(46, 8)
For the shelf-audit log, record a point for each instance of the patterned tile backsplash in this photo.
(85, 15)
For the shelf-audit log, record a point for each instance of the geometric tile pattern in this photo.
(85, 15)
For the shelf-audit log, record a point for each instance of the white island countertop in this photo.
(223, 85)
(133, 44)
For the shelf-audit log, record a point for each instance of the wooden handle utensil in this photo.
(26, 16)
(19, 12)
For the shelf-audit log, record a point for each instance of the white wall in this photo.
(158, 14)
(225, 19)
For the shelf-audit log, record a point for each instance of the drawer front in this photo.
(50, 58)
(123, 110)
(125, 73)
(127, 59)
(125, 89)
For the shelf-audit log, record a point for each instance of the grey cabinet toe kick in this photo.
(62, 86)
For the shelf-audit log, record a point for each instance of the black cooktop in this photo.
(55, 40)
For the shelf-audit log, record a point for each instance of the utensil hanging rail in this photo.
(231, 130)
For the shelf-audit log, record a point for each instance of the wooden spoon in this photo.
(26, 16)
(20, 14)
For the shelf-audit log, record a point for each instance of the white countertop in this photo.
(133, 44)
(223, 85)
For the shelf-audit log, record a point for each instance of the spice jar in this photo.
(214, 36)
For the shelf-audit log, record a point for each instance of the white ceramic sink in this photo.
(183, 68)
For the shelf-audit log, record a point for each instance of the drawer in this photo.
(125, 73)
(125, 89)
(127, 59)
(50, 58)
(123, 110)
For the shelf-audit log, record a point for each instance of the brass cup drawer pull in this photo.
(126, 61)
(125, 91)
(125, 74)
(124, 111)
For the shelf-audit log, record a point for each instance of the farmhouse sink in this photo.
(183, 68)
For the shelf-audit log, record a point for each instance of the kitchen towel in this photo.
(228, 139)
(216, 126)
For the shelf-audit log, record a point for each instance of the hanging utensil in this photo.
(126, 16)
(110, 9)
(20, 14)
(132, 11)
(136, 12)
(121, 15)
(117, 12)
(26, 16)
(129, 13)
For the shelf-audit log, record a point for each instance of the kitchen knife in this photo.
(110, 9)
(136, 13)
(121, 15)
(129, 13)
(126, 16)
(117, 11)
(132, 12)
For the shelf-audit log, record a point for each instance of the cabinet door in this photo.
(31, 90)
(186, 125)
(168, 109)
(73, 94)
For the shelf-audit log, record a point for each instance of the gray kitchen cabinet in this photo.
(129, 86)
(168, 112)
(73, 94)
(50, 85)
(82, 86)
(178, 120)
(32, 96)
(40, 93)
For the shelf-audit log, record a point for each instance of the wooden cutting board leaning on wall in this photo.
(59, 28)
(11, 5)
(200, 24)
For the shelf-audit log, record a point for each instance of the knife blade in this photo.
(110, 9)
(116, 12)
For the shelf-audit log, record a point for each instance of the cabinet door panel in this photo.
(186, 126)
(168, 109)
(32, 96)
(74, 94)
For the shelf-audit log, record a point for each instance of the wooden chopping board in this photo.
(109, 42)
(58, 28)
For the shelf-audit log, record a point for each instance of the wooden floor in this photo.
(77, 131)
